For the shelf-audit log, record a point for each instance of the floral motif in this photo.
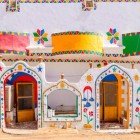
(40, 36)
(89, 117)
(0, 68)
(112, 36)
(85, 110)
(87, 96)
(137, 109)
(90, 113)
(138, 113)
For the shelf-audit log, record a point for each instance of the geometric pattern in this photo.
(113, 69)
(40, 36)
(70, 60)
(112, 36)
(67, 1)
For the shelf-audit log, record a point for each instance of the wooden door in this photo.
(109, 99)
(25, 102)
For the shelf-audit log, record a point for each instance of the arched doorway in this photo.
(114, 102)
(20, 100)
(114, 69)
(23, 69)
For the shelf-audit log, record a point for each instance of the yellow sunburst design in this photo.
(20, 67)
(89, 78)
(62, 85)
(136, 77)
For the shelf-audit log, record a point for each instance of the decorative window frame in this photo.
(62, 84)
(9, 7)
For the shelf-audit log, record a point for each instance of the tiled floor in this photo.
(112, 125)
(23, 125)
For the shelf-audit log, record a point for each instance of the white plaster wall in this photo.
(63, 17)
(62, 97)
(73, 71)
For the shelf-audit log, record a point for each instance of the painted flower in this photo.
(137, 109)
(85, 110)
(40, 36)
(0, 68)
(112, 36)
(90, 113)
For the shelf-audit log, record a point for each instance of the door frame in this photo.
(113, 69)
(33, 108)
(103, 99)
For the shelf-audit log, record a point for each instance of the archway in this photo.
(114, 102)
(115, 70)
(67, 110)
(20, 67)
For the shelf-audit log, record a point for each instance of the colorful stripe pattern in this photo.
(14, 33)
(75, 33)
(71, 60)
(67, 1)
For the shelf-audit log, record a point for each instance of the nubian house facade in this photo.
(84, 80)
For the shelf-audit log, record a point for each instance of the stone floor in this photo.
(23, 125)
(112, 125)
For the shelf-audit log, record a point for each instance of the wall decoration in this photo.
(13, 6)
(99, 65)
(136, 77)
(112, 36)
(79, 41)
(127, 40)
(40, 36)
(14, 42)
(89, 78)
(88, 5)
(40, 69)
(68, 1)
(138, 113)
(89, 117)
(87, 96)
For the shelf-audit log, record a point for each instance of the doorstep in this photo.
(117, 131)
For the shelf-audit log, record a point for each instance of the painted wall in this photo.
(89, 93)
(64, 17)
(72, 71)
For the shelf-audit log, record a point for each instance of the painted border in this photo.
(14, 33)
(29, 71)
(72, 60)
(130, 34)
(67, 1)
(55, 87)
(76, 33)
(114, 69)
